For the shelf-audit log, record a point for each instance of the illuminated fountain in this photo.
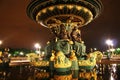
(67, 50)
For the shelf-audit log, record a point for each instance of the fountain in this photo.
(64, 18)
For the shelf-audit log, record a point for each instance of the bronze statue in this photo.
(63, 33)
(76, 34)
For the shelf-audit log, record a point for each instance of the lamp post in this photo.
(109, 43)
(38, 47)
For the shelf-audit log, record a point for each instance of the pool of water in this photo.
(100, 72)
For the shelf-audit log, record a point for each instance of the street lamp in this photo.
(110, 44)
(38, 47)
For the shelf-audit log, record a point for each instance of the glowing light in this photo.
(112, 49)
(21, 53)
(114, 67)
(37, 45)
(0, 42)
(109, 42)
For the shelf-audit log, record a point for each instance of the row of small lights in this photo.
(37, 46)
(109, 43)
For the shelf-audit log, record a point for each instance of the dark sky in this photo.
(19, 31)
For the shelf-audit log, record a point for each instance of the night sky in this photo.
(17, 30)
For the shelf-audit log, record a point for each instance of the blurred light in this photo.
(114, 67)
(112, 49)
(37, 45)
(9, 55)
(108, 50)
(21, 53)
(37, 51)
(118, 49)
(0, 42)
(109, 42)
(111, 78)
(43, 52)
(95, 49)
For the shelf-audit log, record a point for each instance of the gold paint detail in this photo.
(34, 60)
(86, 63)
(64, 15)
(69, 6)
(92, 58)
(40, 63)
(61, 6)
(1, 56)
(88, 75)
(51, 8)
(60, 61)
(79, 7)
(37, 16)
(40, 75)
(63, 77)
(86, 10)
(44, 10)
(52, 58)
(73, 56)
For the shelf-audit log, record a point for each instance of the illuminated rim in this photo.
(51, 8)
(38, 8)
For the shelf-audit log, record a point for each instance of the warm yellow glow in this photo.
(0, 42)
(61, 6)
(70, 6)
(38, 16)
(51, 8)
(109, 42)
(37, 45)
(44, 10)
(79, 7)
(86, 10)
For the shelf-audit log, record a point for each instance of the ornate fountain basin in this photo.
(46, 11)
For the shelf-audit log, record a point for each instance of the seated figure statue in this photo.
(78, 46)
